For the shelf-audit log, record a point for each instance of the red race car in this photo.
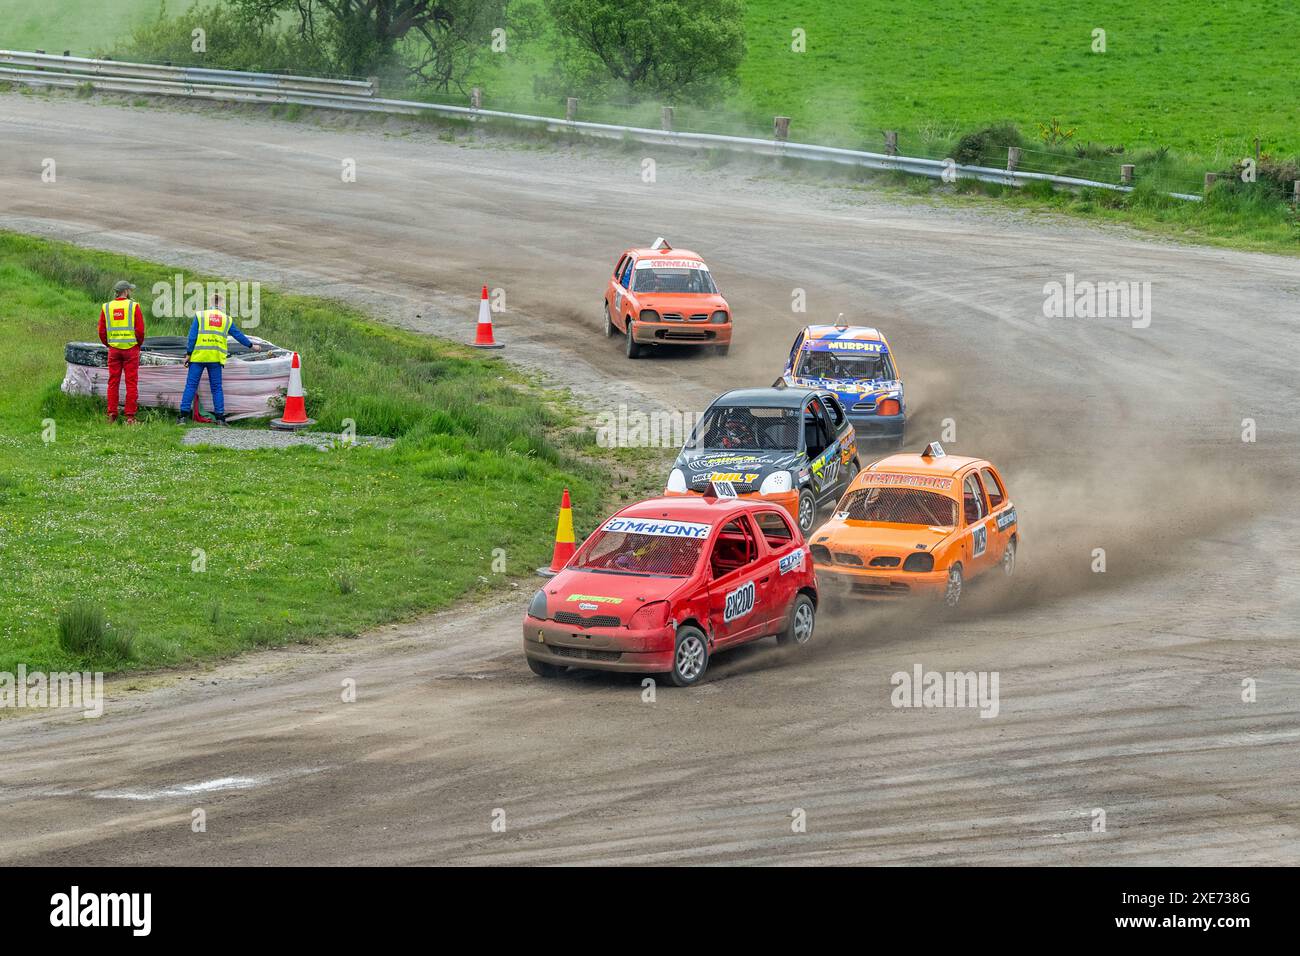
(666, 583)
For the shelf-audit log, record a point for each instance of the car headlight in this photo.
(677, 480)
(719, 317)
(537, 606)
(648, 315)
(775, 483)
(919, 561)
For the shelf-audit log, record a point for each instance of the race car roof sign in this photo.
(844, 345)
(697, 530)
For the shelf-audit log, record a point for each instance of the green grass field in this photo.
(81, 26)
(299, 543)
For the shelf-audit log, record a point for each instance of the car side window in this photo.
(973, 499)
(626, 280)
(993, 485)
(815, 437)
(836, 413)
(735, 548)
(618, 267)
(794, 349)
(775, 529)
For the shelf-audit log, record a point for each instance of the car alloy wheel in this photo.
(802, 619)
(633, 350)
(609, 323)
(807, 511)
(690, 658)
(952, 594)
(1009, 558)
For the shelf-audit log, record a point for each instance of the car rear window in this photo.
(899, 506)
(674, 280)
(626, 553)
(759, 429)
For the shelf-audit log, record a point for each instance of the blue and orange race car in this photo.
(856, 364)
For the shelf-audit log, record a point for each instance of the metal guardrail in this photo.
(183, 74)
(232, 86)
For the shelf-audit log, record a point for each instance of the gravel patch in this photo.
(245, 439)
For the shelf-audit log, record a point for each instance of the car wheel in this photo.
(543, 669)
(633, 350)
(1009, 558)
(802, 618)
(722, 349)
(807, 511)
(690, 657)
(609, 323)
(952, 593)
(854, 468)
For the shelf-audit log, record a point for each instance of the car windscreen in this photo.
(899, 506)
(755, 429)
(674, 280)
(862, 367)
(629, 553)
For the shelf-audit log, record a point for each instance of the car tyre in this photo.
(722, 349)
(609, 323)
(690, 657)
(807, 511)
(802, 618)
(1009, 559)
(854, 468)
(543, 669)
(633, 350)
(952, 592)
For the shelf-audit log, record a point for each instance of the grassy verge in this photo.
(295, 544)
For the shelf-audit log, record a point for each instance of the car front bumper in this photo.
(681, 333)
(875, 583)
(600, 648)
(789, 500)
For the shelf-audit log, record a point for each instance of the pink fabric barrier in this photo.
(254, 387)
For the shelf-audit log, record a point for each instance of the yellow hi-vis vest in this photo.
(119, 324)
(211, 344)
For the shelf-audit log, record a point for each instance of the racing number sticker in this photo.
(739, 602)
(981, 538)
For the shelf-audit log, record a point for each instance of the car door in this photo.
(1001, 510)
(786, 555)
(846, 439)
(738, 586)
(975, 514)
(823, 452)
(613, 300)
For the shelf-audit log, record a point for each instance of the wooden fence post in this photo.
(1013, 158)
(666, 118)
(781, 128)
(1210, 180)
(570, 109)
(1126, 174)
(476, 98)
(891, 142)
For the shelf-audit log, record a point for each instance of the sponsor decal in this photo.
(739, 602)
(981, 538)
(918, 481)
(719, 461)
(584, 606)
(657, 263)
(791, 562)
(1006, 518)
(668, 529)
(843, 345)
(600, 599)
(736, 477)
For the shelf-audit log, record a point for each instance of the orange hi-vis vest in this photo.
(119, 324)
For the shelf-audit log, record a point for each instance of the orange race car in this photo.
(912, 524)
(665, 296)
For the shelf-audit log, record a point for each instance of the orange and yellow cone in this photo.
(565, 546)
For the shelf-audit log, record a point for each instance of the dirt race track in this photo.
(1119, 691)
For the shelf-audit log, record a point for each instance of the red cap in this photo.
(484, 292)
(295, 360)
(564, 502)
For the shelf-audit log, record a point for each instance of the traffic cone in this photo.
(295, 408)
(564, 543)
(483, 334)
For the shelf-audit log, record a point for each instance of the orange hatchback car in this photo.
(665, 296)
(918, 524)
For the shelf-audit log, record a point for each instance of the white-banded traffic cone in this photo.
(295, 406)
(483, 334)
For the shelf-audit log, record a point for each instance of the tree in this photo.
(437, 40)
(688, 48)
